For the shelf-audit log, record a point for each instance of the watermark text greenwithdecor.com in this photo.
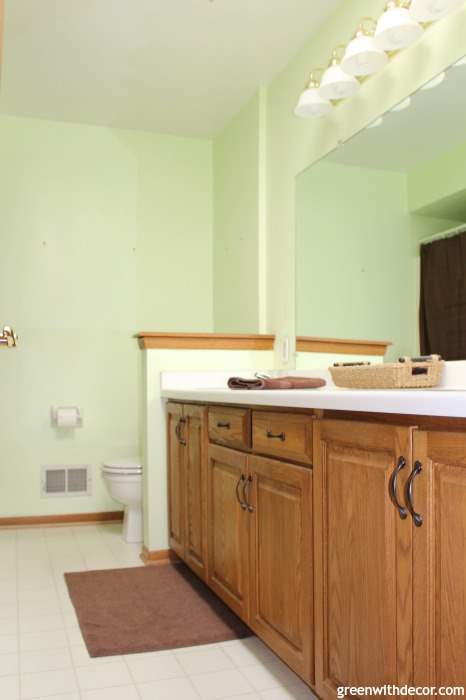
(400, 690)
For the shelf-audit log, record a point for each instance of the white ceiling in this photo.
(176, 66)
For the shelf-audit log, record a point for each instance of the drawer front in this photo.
(230, 426)
(283, 435)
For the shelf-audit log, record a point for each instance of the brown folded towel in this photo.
(276, 383)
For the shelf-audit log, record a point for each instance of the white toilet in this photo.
(124, 483)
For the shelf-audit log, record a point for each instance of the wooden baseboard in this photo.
(157, 556)
(69, 519)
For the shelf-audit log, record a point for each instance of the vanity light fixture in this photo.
(362, 56)
(311, 103)
(367, 53)
(336, 84)
(396, 28)
(435, 82)
(432, 10)
(402, 105)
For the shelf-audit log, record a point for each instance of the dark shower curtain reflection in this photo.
(443, 298)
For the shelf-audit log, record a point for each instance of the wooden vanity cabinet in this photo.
(195, 468)
(390, 595)
(260, 549)
(362, 556)
(175, 476)
(286, 436)
(439, 558)
(352, 569)
(187, 474)
(228, 548)
(280, 535)
(230, 427)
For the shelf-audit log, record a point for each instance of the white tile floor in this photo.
(42, 653)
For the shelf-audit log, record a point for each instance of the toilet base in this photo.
(132, 524)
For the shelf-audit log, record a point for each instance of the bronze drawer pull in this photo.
(242, 480)
(417, 517)
(403, 513)
(280, 436)
(245, 498)
(227, 426)
(181, 422)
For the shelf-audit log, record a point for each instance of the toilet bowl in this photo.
(124, 483)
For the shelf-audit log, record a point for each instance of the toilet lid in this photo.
(122, 465)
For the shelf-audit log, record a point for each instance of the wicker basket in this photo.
(408, 373)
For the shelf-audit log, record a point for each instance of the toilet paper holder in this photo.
(66, 417)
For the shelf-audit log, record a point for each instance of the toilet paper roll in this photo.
(68, 417)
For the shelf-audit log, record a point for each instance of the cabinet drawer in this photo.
(230, 426)
(284, 435)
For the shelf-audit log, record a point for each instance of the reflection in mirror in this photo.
(365, 213)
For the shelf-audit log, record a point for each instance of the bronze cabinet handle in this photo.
(417, 517)
(224, 425)
(241, 480)
(247, 504)
(280, 436)
(181, 439)
(403, 513)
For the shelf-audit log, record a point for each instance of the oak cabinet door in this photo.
(439, 546)
(176, 478)
(228, 563)
(195, 474)
(362, 557)
(281, 600)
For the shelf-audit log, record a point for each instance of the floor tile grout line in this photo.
(18, 629)
(73, 668)
(132, 677)
(188, 678)
(99, 538)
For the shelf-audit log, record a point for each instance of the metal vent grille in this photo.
(77, 480)
(65, 481)
(55, 481)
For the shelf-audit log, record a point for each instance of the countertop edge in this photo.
(422, 402)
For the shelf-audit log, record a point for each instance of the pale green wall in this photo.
(236, 223)
(355, 259)
(103, 232)
(294, 144)
(438, 187)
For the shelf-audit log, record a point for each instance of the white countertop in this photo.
(447, 400)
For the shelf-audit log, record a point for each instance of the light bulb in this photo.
(362, 56)
(396, 29)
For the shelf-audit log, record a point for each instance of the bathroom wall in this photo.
(355, 262)
(293, 144)
(438, 187)
(236, 223)
(104, 232)
(371, 242)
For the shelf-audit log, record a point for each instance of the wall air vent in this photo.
(65, 481)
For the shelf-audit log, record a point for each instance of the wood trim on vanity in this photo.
(205, 341)
(157, 556)
(250, 341)
(68, 519)
(341, 346)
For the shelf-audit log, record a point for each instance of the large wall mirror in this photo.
(368, 212)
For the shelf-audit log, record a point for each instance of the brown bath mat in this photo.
(126, 611)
